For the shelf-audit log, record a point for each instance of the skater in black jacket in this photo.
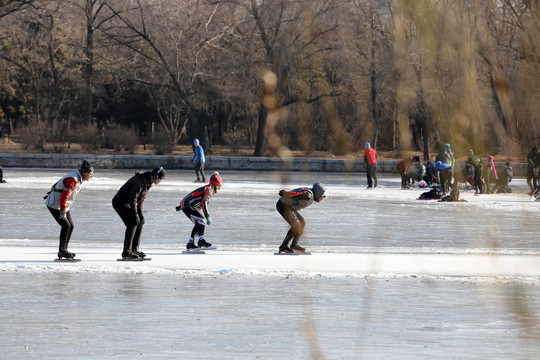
(128, 203)
(195, 207)
(288, 205)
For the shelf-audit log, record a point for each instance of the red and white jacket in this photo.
(63, 193)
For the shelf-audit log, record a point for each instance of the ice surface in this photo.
(390, 276)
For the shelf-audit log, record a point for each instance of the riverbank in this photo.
(120, 161)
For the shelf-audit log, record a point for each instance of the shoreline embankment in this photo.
(108, 161)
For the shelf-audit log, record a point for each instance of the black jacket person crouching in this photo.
(288, 205)
(128, 203)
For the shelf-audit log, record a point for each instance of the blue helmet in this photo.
(195, 142)
(368, 145)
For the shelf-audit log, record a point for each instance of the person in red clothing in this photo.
(370, 158)
(60, 199)
(195, 207)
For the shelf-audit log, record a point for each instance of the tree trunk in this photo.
(259, 145)
(88, 72)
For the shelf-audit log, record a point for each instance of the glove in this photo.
(141, 220)
(209, 220)
(178, 208)
(62, 215)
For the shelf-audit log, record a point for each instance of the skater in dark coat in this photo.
(478, 167)
(2, 181)
(533, 162)
(128, 203)
(195, 207)
(60, 199)
(288, 205)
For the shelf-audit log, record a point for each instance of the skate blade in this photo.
(193, 252)
(285, 253)
(129, 259)
(67, 260)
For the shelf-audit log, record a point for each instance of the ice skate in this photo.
(140, 254)
(191, 245)
(65, 254)
(203, 244)
(285, 249)
(130, 256)
(297, 248)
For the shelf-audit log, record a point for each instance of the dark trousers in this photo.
(132, 237)
(199, 171)
(198, 219)
(67, 228)
(295, 220)
(372, 175)
(479, 179)
(446, 180)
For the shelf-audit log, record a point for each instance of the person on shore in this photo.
(128, 203)
(370, 158)
(533, 162)
(199, 161)
(489, 169)
(2, 181)
(478, 168)
(446, 156)
(445, 173)
(403, 168)
(501, 186)
(195, 207)
(288, 205)
(60, 199)
(431, 174)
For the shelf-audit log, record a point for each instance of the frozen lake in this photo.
(53, 313)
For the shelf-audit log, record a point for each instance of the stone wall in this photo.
(73, 161)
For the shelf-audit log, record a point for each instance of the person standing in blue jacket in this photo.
(445, 173)
(199, 160)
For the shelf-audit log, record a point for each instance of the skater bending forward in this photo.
(128, 203)
(60, 199)
(288, 205)
(195, 207)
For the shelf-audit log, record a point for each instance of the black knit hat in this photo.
(86, 167)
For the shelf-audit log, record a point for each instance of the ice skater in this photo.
(288, 205)
(198, 160)
(60, 199)
(128, 203)
(370, 158)
(2, 181)
(195, 207)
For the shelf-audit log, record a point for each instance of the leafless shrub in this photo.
(124, 138)
(162, 142)
(88, 136)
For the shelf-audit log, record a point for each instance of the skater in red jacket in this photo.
(60, 199)
(288, 205)
(370, 158)
(195, 207)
